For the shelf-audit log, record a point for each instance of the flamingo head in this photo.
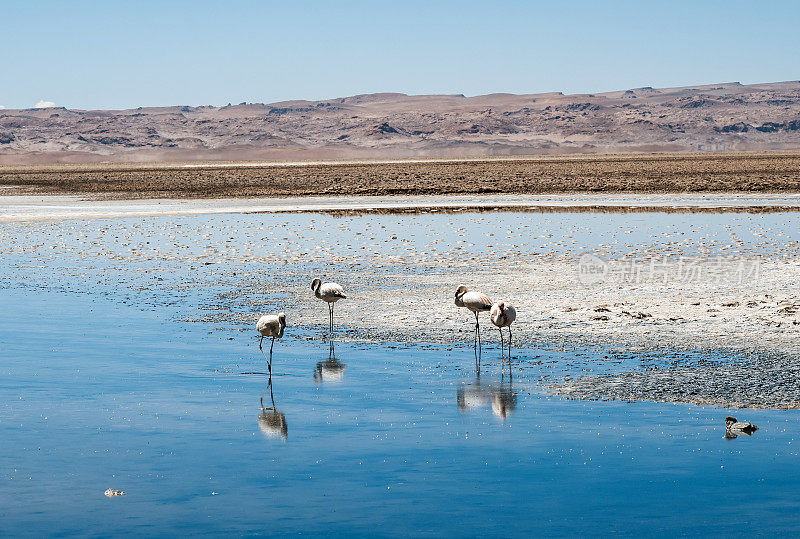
(460, 294)
(315, 284)
(282, 319)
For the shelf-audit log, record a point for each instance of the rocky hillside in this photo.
(718, 117)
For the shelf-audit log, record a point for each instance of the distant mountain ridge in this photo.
(717, 117)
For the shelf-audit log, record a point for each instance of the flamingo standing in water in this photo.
(502, 314)
(475, 302)
(270, 325)
(330, 293)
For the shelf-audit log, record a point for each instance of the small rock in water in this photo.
(114, 492)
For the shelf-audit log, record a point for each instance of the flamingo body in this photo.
(330, 293)
(477, 303)
(270, 325)
(474, 301)
(502, 315)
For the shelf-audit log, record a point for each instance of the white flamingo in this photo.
(330, 293)
(502, 314)
(475, 302)
(270, 325)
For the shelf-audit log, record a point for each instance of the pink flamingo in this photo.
(270, 325)
(330, 293)
(502, 315)
(475, 302)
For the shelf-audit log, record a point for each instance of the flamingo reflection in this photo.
(330, 370)
(271, 421)
(476, 395)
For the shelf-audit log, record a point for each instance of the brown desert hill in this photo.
(709, 118)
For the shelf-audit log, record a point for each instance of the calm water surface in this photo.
(383, 440)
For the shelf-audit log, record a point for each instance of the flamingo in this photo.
(502, 315)
(475, 302)
(330, 293)
(270, 325)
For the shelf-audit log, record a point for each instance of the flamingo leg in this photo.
(269, 363)
(271, 396)
(477, 354)
(509, 342)
(269, 360)
(269, 366)
(501, 341)
(478, 327)
(477, 335)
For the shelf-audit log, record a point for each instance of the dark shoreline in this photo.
(647, 174)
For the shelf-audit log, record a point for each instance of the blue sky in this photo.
(121, 54)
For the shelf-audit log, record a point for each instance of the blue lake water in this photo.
(388, 440)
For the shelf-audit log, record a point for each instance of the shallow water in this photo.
(108, 395)
(101, 387)
(58, 207)
(353, 237)
(93, 252)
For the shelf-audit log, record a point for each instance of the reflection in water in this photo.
(330, 370)
(504, 400)
(476, 395)
(271, 421)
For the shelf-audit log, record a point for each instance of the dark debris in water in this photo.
(758, 381)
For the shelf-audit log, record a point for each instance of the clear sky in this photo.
(121, 54)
